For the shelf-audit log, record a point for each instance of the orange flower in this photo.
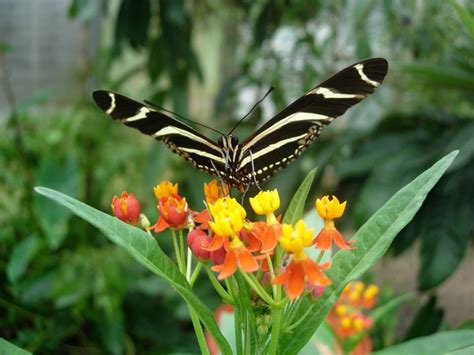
(266, 234)
(173, 213)
(213, 191)
(348, 317)
(330, 210)
(126, 208)
(165, 189)
(237, 255)
(298, 273)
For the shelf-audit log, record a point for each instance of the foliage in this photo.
(373, 239)
(64, 287)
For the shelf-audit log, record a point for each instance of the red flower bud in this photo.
(198, 241)
(126, 208)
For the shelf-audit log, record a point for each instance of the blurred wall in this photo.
(45, 48)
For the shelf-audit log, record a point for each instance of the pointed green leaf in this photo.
(143, 248)
(296, 207)
(439, 343)
(11, 349)
(372, 241)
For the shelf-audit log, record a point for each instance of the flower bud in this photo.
(165, 189)
(126, 208)
(198, 241)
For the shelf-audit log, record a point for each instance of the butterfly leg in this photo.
(224, 187)
(244, 194)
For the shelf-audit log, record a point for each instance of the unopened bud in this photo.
(198, 241)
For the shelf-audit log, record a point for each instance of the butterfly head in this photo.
(228, 142)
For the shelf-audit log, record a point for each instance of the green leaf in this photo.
(438, 343)
(296, 207)
(466, 17)
(144, 249)
(7, 348)
(21, 256)
(372, 241)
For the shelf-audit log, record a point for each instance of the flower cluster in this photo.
(349, 315)
(267, 252)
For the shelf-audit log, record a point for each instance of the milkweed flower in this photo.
(213, 191)
(172, 207)
(236, 255)
(165, 189)
(266, 203)
(349, 315)
(302, 268)
(329, 210)
(126, 208)
(229, 221)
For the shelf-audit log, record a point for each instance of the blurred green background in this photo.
(65, 289)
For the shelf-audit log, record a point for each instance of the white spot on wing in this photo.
(112, 104)
(360, 70)
(141, 114)
(329, 94)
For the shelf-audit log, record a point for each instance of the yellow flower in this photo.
(330, 209)
(213, 191)
(227, 223)
(266, 203)
(341, 310)
(165, 189)
(227, 204)
(294, 240)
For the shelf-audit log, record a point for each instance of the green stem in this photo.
(237, 323)
(253, 282)
(218, 287)
(189, 264)
(320, 256)
(195, 274)
(177, 251)
(198, 330)
(276, 326)
(272, 274)
(182, 250)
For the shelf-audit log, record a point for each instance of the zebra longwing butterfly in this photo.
(271, 147)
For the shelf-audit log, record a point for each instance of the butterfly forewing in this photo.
(284, 137)
(179, 137)
(273, 146)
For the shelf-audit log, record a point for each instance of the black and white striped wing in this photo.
(284, 137)
(181, 139)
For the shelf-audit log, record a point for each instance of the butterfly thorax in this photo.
(232, 155)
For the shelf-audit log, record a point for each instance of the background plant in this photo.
(95, 305)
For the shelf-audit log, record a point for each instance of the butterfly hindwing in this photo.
(179, 137)
(284, 137)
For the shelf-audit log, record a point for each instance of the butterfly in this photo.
(271, 147)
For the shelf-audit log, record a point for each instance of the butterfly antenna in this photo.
(253, 108)
(182, 117)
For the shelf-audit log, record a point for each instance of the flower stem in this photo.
(177, 251)
(253, 282)
(182, 251)
(189, 264)
(272, 274)
(237, 318)
(195, 274)
(218, 287)
(301, 319)
(198, 330)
